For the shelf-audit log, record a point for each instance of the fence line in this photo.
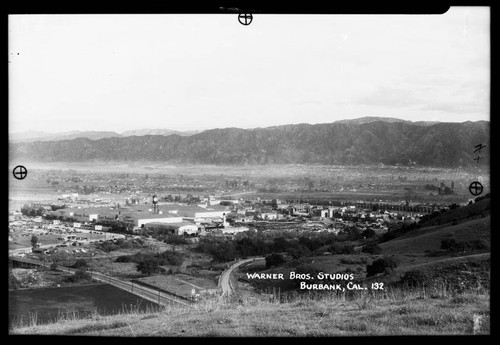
(116, 282)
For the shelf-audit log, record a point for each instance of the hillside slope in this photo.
(330, 316)
(429, 239)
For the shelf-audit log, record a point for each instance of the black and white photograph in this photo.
(242, 173)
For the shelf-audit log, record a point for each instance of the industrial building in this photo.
(137, 216)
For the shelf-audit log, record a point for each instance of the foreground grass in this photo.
(408, 314)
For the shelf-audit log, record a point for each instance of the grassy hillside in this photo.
(394, 313)
(428, 239)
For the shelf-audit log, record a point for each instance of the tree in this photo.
(280, 244)
(148, 267)
(224, 252)
(34, 241)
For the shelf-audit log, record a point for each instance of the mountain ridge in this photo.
(375, 142)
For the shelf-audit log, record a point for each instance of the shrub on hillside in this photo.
(415, 278)
(372, 248)
(384, 265)
(453, 245)
(344, 249)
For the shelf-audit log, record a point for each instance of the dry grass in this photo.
(390, 313)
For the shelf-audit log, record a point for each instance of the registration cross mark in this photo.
(476, 188)
(245, 18)
(20, 172)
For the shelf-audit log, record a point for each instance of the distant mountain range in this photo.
(366, 140)
(368, 119)
(30, 136)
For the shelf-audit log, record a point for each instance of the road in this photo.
(141, 291)
(225, 279)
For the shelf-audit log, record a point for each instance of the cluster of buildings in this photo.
(230, 216)
(226, 215)
(165, 218)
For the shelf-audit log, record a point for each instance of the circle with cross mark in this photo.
(20, 172)
(245, 18)
(475, 188)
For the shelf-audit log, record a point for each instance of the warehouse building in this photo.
(180, 228)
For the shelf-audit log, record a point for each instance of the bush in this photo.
(170, 258)
(452, 245)
(274, 260)
(175, 239)
(297, 253)
(345, 249)
(372, 248)
(79, 276)
(81, 264)
(107, 247)
(478, 244)
(415, 278)
(165, 258)
(53, 266)
(384, 265)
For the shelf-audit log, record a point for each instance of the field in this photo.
(46, 305)
(178, 284)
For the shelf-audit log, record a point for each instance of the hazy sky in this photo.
(191, 72)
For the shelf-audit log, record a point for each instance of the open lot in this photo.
(179, 284)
